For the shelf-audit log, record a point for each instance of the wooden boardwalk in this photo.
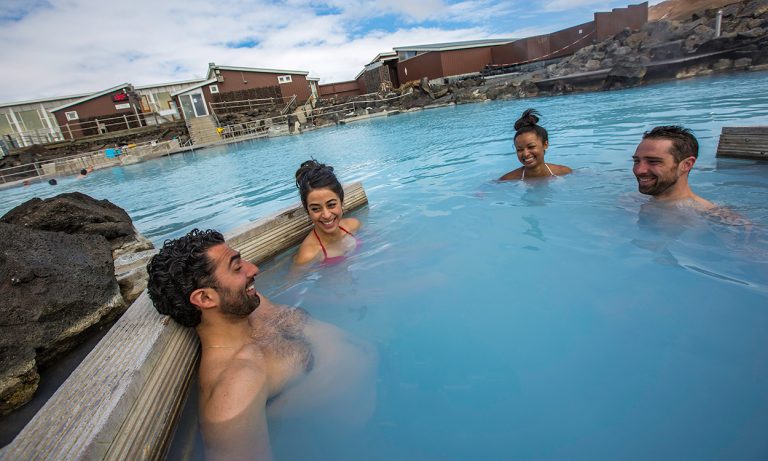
(744, 142)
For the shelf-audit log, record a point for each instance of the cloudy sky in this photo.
(63, 47)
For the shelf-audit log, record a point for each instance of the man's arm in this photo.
(233, 419)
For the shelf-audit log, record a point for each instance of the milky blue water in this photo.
(567, 319)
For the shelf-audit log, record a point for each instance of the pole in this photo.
(718, 23)
(136, 111)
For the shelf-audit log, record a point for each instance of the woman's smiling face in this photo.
(530, 149)
(324, 209)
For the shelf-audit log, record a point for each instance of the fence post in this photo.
(127, 125)
(136, 112)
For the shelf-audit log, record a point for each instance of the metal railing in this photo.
(253, 128)
(72, 164)
(225, 107)
(97, 126)
(349, 108)
(288, 105)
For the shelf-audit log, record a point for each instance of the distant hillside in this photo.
(683, 9)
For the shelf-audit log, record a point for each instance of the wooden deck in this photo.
(744, 142)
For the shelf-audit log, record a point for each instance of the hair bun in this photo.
(308, 168)
(529, 118)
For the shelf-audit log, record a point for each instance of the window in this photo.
(214, 88)
(284, 79)
(71, 115)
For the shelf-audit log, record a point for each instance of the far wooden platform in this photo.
(744, 142)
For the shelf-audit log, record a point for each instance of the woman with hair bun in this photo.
(323, 199)
(531, 142)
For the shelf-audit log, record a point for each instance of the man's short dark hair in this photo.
(684, 143)
(179, 268)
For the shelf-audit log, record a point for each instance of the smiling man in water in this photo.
(255, 355)
(663, 161)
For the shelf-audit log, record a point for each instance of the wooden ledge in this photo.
(743, 142)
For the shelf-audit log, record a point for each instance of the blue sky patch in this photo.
(244, 43)
(16, 10)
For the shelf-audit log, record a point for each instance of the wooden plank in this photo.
(124, 400)
(743, 142)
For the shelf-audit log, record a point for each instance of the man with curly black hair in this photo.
(252, 350)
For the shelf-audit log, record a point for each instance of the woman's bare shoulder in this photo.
(560, 169)
(514, 174)
(308, 250)
(351, 224)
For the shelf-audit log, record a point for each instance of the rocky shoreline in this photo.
(659, 51)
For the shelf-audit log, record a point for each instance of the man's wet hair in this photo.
(179, 268)
(313, 175)
(528, 122)
(684, 143)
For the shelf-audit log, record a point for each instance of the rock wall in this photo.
(57, 288)
(58, 264)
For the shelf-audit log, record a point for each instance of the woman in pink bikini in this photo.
(531, 141)
(323, 197)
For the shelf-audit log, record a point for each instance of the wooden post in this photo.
(127, 125)
(70, 132)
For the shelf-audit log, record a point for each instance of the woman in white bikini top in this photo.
(531, 142)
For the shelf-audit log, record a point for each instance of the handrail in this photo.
(288, 106)
(6, 173)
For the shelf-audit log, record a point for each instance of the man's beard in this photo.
(238, 303)
(659, 186)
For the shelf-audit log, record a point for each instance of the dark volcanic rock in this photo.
(56, 289)
(669, 50)
(77, 213)
(721, 43)
(659, 32)
(754, 9)
(625, 74)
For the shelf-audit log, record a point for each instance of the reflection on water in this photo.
(670, 229)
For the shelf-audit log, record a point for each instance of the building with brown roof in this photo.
(114, 109)
(230, 84)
